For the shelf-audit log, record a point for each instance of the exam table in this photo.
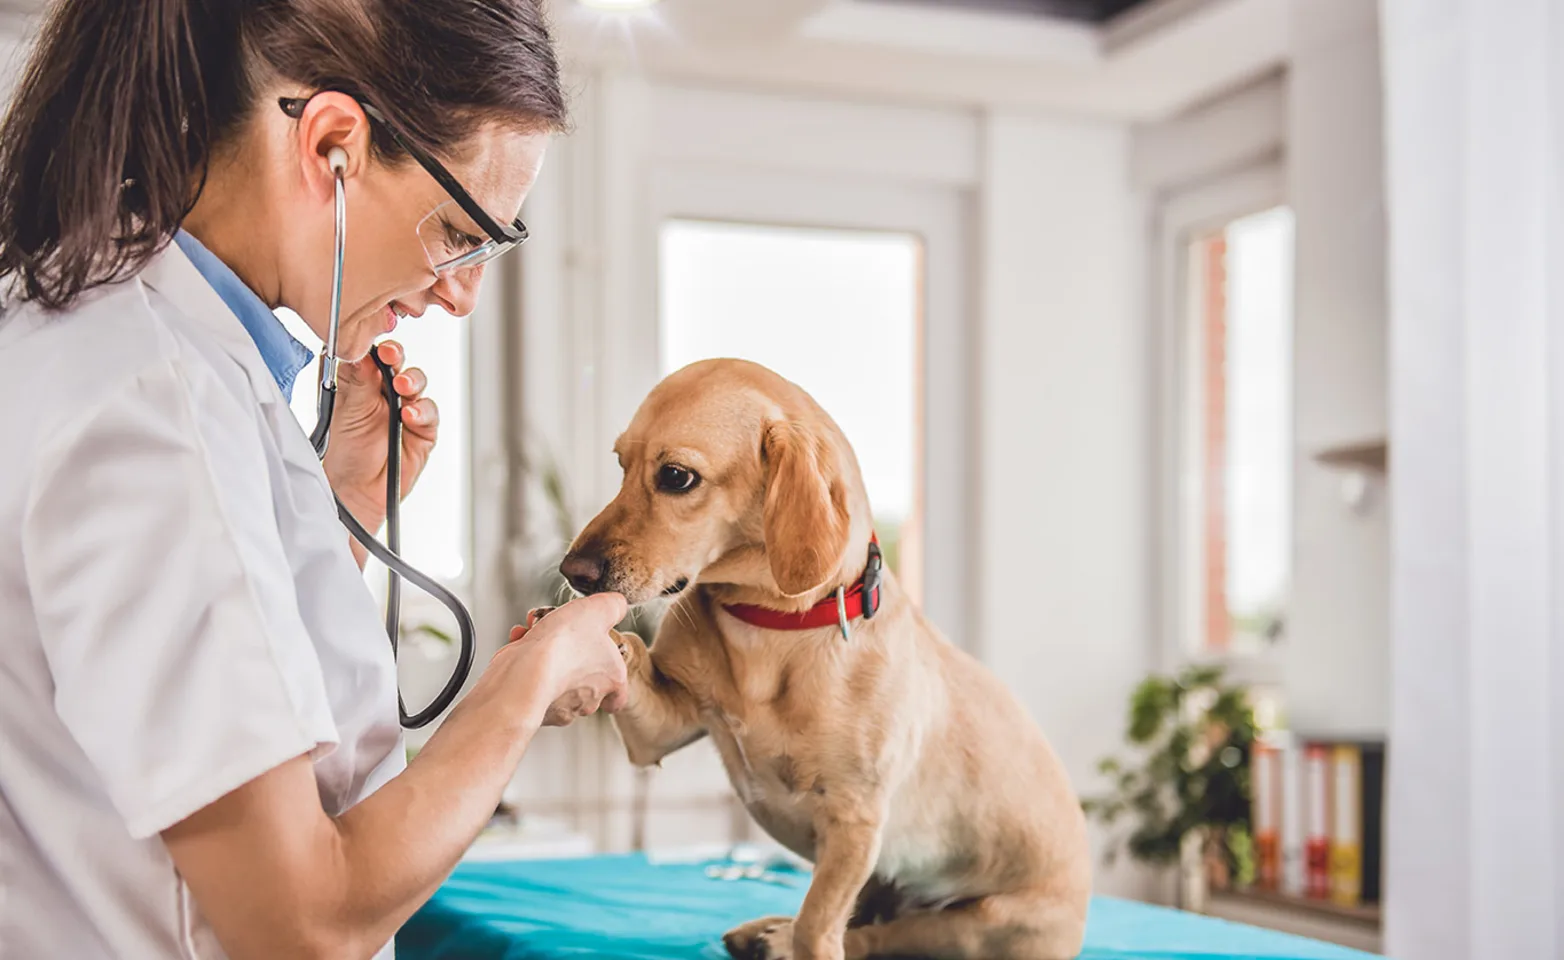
(632, 908)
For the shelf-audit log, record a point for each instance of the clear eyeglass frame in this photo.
(447, 253)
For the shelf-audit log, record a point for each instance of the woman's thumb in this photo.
(353, 374)
(605, 608)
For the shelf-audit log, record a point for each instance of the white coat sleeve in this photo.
(166, 605)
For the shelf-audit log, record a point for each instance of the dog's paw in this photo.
(623, 643)
(631, 646)
(538, 613)
(767, 939)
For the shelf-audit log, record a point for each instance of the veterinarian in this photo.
(200, 753)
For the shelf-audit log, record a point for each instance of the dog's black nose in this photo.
(584, 572)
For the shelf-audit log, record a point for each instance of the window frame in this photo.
(1179, 218)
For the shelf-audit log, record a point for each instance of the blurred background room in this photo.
(1121, 303)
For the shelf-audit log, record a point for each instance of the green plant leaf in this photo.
(429, 629)
(1150, 706)
(1192, 736)
(1200, 676)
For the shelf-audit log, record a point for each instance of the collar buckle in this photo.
(873, 576)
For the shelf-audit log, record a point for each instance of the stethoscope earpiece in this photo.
(338, 158)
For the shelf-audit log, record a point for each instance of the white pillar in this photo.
(1475, 156)
(1064, 447)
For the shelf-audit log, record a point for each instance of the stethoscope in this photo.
(386, 553)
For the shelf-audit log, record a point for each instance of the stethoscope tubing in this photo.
(388, 553)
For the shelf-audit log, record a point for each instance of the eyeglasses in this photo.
(447, 247)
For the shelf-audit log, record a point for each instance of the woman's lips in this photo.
(391, 318)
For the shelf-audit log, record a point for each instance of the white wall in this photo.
(1064, 433)
(15, 40)
(1337, 669)
(1229, 135)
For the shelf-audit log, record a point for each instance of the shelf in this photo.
(1355, 927)
(1368, 455)
(1367, 915)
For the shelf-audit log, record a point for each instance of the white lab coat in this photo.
(179, 612)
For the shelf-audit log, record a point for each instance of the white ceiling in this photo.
(1148, 64)
(1145, 65)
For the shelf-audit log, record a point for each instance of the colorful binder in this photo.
(1265, 782)
(1318, 818)
(1346, 826)
(1317, 838)
(1294, 881)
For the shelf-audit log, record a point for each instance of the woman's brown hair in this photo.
(123, 103)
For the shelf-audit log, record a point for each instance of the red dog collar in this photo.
(862, 599)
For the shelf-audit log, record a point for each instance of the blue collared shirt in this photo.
(284, 356)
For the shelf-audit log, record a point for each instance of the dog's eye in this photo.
(672, 478)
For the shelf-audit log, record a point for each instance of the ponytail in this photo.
(105, 146)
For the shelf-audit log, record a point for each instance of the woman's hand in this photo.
(356, 459)
(578, 654)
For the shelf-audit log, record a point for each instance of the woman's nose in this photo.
(458, 289)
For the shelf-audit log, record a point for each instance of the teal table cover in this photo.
(626, 908)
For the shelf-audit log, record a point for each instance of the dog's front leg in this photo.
(660, 716)
(847, 846)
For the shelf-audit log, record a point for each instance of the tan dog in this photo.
(939, 820)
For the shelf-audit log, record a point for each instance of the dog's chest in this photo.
(778, 786)
(921, 864)
(785, 750)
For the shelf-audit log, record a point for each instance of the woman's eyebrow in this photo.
(461, 220)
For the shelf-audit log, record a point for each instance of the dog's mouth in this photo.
(678, 588)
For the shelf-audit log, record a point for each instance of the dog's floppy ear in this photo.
(806, 516)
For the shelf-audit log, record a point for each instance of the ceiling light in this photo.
(617, 6)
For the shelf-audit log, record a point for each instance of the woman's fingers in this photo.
(363, 372)
(617, 699)
(422, 416)
(584, 701)
(601, 611)
(533, 616)
(391, 354)
(572, 704)
(410, 382)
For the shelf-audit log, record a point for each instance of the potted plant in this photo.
(1186, 794)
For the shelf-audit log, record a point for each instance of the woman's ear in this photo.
(806, 519)
(330, 122)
